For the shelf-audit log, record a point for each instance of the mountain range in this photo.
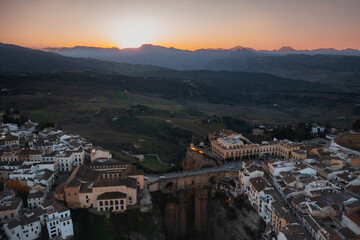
(19, 59)
(319, 65)
(155, 61)
(236, 59)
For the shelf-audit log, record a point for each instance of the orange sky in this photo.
(186, 24)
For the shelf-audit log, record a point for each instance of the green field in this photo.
(46, 116)
(100, 99)
(196, 126)
(152, 164)
(121, 96)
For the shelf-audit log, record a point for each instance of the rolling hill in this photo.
(19, 59)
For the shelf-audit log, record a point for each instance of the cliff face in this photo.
(195, 161)
(235, 222)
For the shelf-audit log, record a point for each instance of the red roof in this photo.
(50, 211)
(354, 218)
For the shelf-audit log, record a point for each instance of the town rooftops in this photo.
(39, 211)
(336, 197)
(294, 232)
(37, 194)
(13, 223)
(58, 207)
(11, 206)
(25, 220)
(106, 163)
(15, 164)
(36, 211)
(289, 179)
(135, 172)
(329, 234)
(298, 199)
(10, 137)
(282, 211)
(98, 148)
(311, 221)
(354, 204)
(111, 195)
(346, 177)
(73, 183)
(348, 234)
(85, 174)
(258, 183)
(253, 169)
(129, 182)
(354, 217)
(85, 188)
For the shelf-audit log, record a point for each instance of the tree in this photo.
(303, 131)
(284, 132)
(356, 125)
(43, 125)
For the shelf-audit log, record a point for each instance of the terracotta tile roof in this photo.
(129, 182)
(354, 218)
(55, 205)
(111, 195)
(258, 183)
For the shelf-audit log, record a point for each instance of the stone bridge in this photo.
(191, 208)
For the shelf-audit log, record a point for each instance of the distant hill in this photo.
(343, 72)
(19, 59)
(341, 67)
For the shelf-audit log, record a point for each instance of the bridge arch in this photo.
(170, 186)
(213, 180)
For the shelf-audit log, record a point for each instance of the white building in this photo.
(317, 129)
(68, 159)
(99, 153)
(320, 187)
(58, 220)
(24, 228)
(247, 174)
(275, 168)
(35, 198)
(56, 217)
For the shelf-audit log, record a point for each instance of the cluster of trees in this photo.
(14, 116)
(237, 125)
(356, 125)
(301, 132)
(43, 125)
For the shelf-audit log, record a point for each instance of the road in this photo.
(231, 166)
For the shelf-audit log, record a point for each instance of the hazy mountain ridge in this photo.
(342, 72)
(319, 65)
(19, 59)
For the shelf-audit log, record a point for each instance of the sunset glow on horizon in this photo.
(258, 24)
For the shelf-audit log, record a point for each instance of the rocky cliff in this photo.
(195, 161)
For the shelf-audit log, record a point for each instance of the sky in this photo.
(184, 24)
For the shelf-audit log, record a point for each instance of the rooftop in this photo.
(111, 195)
